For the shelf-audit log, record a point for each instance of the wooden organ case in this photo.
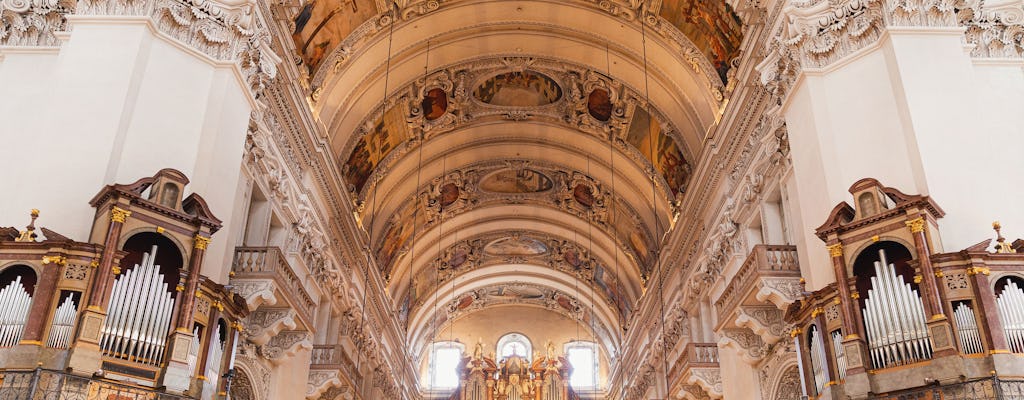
(514, 378)
(128, 307)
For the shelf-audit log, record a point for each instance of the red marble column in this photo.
(188, 297)
(929, 288)
(103, 281)
(847, 307)
(43, 298)
(987, 310)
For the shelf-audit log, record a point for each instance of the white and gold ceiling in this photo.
(522, 146)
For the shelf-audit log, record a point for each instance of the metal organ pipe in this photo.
(818, 358)
(1011, 311)
(837, 349)
(139, 314)
(967, 329)
(63, 324)
(14, 304)
(894, 319)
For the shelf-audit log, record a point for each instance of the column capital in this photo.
(916, 225)
(835, 250)
(200, 242)
(119, 215)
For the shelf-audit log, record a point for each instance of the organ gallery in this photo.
(511, 200)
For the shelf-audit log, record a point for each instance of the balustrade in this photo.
(764, 267)
(268, 263)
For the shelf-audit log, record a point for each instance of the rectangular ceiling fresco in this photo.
(323, 24)
(711, 25)
(387, 134)
(660, 149)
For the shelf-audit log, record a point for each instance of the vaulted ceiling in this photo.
(524, 143)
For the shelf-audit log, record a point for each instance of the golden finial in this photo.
(1001, 245)
(29, 234)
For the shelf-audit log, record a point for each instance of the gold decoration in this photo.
(95, 263)
(118, 214)
(58, 260)
(835, 250)
(939, 274)
(179, 288)
(218, 305)
(116, 270)
(916, 225)
(837, 300)
(817, 311)
(29, 234)
(795, 332)
(201, 242)
(918, 278)
(875, 238)
(978, 270)
(160, 229)
(1001, 245)
(855, 295)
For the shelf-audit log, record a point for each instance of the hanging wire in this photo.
(437, 268)
(593, 279)
(416, 210)
(373, 200)
(614, 201)
(654, 199)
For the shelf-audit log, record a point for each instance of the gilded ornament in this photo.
(160, 229)
(835, 250)
(918, 278)
(58, 260)
(116, 270)
(978, 270)
(855, 295)
(119, 215)
(916, 225)
(201, 242)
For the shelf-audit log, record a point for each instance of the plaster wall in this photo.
(115, 103)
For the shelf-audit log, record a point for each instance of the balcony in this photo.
(770, 273)
(46, 384)
(698, 366)
(263, 277)
(330, 370)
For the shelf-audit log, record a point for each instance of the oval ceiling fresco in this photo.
(519, 89)
(516, 181)
(516, 246)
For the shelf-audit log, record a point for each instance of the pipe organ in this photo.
(1011, 313)
(513, 378)
(894, 319)
(14, 304)
(819, 368)
(967, 329)
(139, 314)
(837, 349)
(63, 324)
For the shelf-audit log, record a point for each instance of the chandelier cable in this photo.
(409, 290)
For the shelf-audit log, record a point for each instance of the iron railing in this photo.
(43, 384)
(982, 389)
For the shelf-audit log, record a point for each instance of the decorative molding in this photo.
(285, 345)
(264, 323)
(747, 344)
(33, 22)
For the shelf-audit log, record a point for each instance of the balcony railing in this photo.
(332, 356)
(993, 388)
(696, 355)
(269, 263)
(47, 384)
(764, 261)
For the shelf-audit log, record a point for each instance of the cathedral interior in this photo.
(511, 199)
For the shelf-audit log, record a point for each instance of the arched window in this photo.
(514, 344)
(444, 363)
(1010, 301)
(583, 358)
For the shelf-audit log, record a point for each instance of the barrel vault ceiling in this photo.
(523, 152)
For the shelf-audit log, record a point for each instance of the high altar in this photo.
(514, 378)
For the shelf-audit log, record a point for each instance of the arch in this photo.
(11, 273)
(168, 256)
(787, 386)
(513, 343)
(242, 385)
(863, 266)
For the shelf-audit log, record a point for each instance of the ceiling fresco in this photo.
(461, 191)
(322, 25)
(524, 248)
(584, 100)
(711, 25)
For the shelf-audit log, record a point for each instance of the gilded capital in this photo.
(201, 242)
(835, 250)
(119, 215)
(916, 225)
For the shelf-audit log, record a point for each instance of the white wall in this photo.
(117, 102)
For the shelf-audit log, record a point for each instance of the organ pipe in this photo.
(818, 368)
(1011, 311)
(139, 314)
(837, 349)
(894, 319)
(14, 305)
(967, 329)
(63, 324)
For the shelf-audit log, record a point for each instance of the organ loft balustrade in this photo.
(903, 317)
(129, 312)
(263, 276)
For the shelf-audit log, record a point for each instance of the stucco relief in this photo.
(33, 22)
